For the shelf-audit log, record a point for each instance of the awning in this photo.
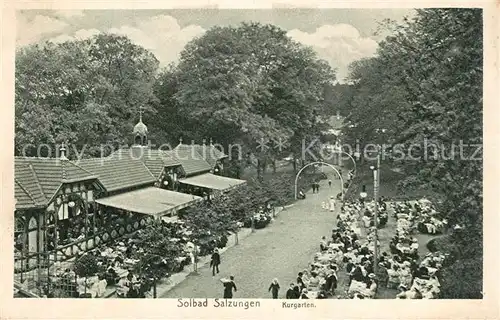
(212, 181)
(152, 201)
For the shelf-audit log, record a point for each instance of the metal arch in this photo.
(353, 161)
(319, 162)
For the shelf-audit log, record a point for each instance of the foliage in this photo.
(458, 282)
(210, 222)
(86, 266)
(159, 249)
(466, 254)
(425, 88)
(85, 93)
(249, 82)
(433, 106)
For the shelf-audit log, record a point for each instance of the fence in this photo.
(37, 274)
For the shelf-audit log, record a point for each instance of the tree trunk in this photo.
(274, 165)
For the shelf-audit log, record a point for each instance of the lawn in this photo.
(389, 180)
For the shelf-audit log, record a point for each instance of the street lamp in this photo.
(376, 183)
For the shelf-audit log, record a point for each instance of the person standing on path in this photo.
(215, 261)
(228, 287)
(330, 183)
(292, 293)
(332, 204)
(314, 187)
(317, 187)
(274, 288)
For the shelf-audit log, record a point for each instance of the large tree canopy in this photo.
(243, 84)
(85, 93)
(425, 87)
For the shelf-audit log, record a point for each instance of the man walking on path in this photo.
(228, 287)
(330, 183)
(274, 288)
(314, 187)
(215, 261)
(291, 293)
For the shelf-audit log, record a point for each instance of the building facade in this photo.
(66, 207)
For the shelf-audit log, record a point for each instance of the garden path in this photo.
(280, 250)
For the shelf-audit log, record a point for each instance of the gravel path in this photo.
(280, 250)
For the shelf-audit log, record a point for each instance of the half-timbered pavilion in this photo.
(64, 207)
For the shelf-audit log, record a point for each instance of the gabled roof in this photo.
(24, 199)
(155, 160)
(191, 160)
(38, 179)
(210, 153)
(117, 173)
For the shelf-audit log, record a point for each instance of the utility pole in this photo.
(376, 184)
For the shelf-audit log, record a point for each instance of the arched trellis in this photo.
(353, 161)
(323, 163)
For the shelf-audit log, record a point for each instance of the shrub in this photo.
(463, 279)
(86, 266)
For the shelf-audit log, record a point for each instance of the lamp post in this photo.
(195, 259)
(376, 185)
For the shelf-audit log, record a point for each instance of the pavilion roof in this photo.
(155, 160)
(118, 173)
(191, 160)
(209, 153)
(38, 179)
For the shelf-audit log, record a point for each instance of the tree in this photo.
(425, 86)
(85, 93)
(86, 266)
(446, 104)
(230, 87)
(160, 251)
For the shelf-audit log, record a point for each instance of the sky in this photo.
(339, 36)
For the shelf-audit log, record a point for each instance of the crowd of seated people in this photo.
(343, 251)
(369, 214)
(423, 216)
(430, 221)
(424, 282)
(363, 282)
(414, 280)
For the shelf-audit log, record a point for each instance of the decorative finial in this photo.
(180, 140)
(211, 142)
(141, 111)
(204, 141)
(63, 152)
(338, 115)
